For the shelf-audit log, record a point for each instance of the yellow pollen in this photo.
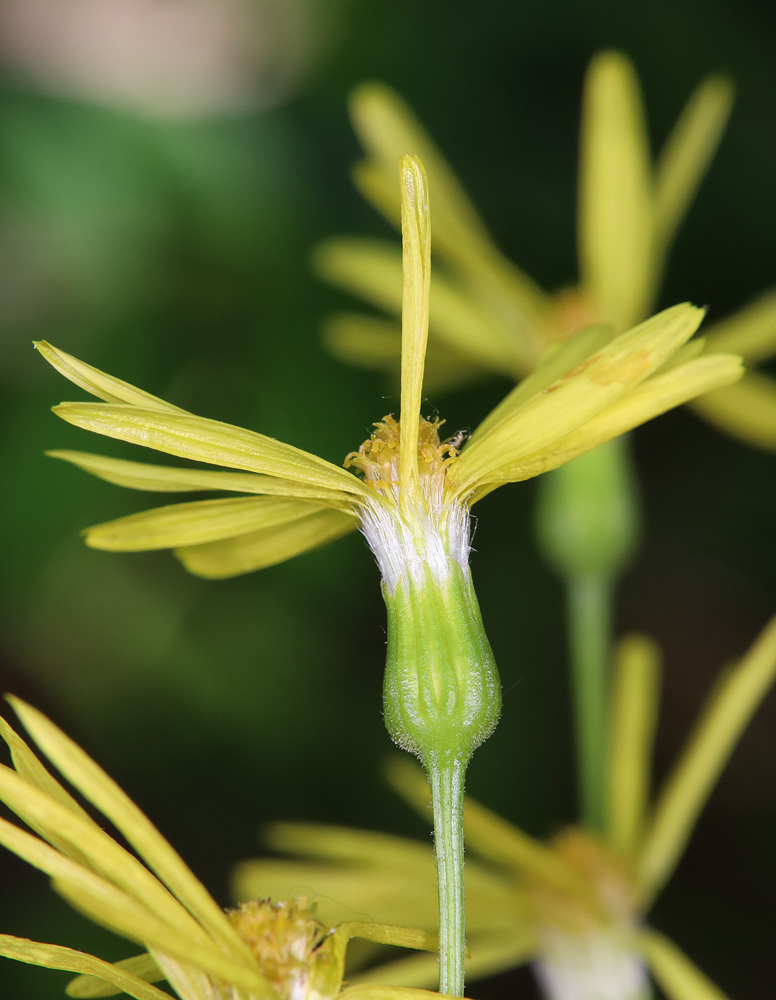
(378, 457)
(284, 938)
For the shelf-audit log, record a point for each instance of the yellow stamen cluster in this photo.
(286, 940)
(378, 457)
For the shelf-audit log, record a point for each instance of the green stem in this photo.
(590, 626)
(446, 780)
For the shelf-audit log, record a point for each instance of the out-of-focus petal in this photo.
(634, 718)
(746, 409)
(677, 976)
(615, 214)
(750, 332)
(688, 786)
(686, 156)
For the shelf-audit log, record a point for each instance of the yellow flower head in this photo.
(574, 906)
(490, 316)
(260, 951)
(411, 493)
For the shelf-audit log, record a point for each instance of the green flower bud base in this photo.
(442, 698)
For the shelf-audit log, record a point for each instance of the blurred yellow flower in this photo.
(260, 951)
(413, 494)
(574, 907)
(489, 316)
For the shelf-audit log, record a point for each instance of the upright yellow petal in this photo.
(416, 265)
(687, 788)
(615, 211)
(687, 154)
(459, 319)
(634, 719)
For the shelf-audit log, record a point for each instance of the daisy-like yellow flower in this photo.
(410, 496)
(490, 316)
(259, 951)
(574, 907)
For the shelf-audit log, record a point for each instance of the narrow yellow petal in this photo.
(105, 387)
(51, 956)
(416, 267)
(85, 775)
(142, 966)
(266, 547)
(634, 718)
(577, 396)
(375, 344)
(343, 891)
(369, 268)
(136, 918)
(197, 523)
(555, 362)
(488, 834)
(165, 478)
(367, 341)
(676, 975)
(131, 916)
(658, 394)
(104, 855)
(747, 409)
(686, 790)
(342, 843)
(211, 442)
(30, 768)
(459, 320)
(487, 955)
(387, 130)
(750, 332)
(136, 923)
(399, 937)
(687, 154)
(615, 213)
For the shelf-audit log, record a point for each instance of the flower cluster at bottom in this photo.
(575, 906)
(259, 951)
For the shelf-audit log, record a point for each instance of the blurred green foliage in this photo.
(175, 254)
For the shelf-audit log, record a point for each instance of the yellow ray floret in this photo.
(260, 951)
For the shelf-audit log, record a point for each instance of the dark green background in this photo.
(176, 256)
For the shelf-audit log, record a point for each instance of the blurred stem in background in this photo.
(588, 527)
